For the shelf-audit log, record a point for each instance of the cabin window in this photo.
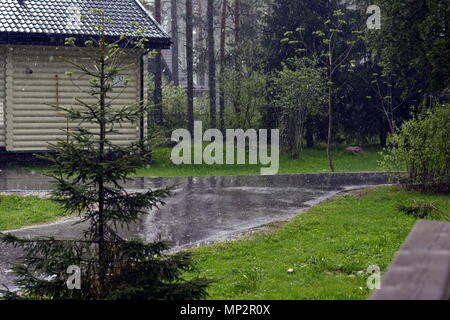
(119, 82)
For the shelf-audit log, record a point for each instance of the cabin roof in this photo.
(49, 22)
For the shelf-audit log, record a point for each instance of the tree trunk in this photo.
(237, 25)
(330, 106)
(190, 66)
(222, 63)
(175, 52)
(269, 8)
(383, 132)
(383, 138)
(157, 94)
(237, 46)
(101, 237)
(201, 44)
(309, 137)
(212, 64)
(330, 125)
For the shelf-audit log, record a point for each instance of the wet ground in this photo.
(201, 210)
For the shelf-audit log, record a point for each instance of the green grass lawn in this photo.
(17, 211)
(310, 161)
(326, 247)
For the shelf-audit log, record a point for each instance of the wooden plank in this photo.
(421, 269)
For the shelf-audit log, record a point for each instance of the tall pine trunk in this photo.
(237, 49)
(190, 66)
(212, 65)
(237, 25)
(201, 70)
(222, 63)
(175, 52)
(157, 94)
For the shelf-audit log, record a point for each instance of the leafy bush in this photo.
(422, 147)
(201, 110)
(174, 101)
(300, 92)
(174, 104)
(245, 96)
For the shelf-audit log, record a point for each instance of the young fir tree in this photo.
(89, 173)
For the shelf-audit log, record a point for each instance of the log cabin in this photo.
(33, 66)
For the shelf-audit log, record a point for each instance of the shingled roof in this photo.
(49, 22)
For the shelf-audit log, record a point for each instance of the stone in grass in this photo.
(290, 271)
(354, 150)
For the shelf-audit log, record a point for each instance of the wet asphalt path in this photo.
(201, 210)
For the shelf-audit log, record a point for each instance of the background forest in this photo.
(311, 68)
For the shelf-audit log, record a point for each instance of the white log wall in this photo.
(2, 97)
(31, 121)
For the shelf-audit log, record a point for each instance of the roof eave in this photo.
(17, 38)
(158, 25)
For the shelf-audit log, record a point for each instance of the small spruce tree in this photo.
(90, 172)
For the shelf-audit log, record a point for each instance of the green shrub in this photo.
(300, 92)
(174, 103)
(424, 210)
(245, 94)
(422, 148)
(201, 109)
